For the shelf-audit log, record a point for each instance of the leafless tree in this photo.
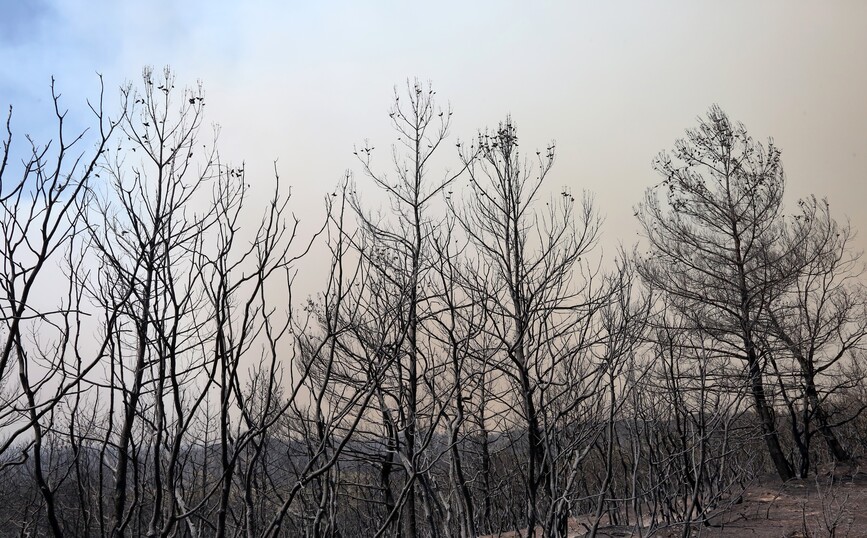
(816, 322)
(143, 238)
(469, 367)
(40, 215)
(709, 226)
(399, 251)
(542, 303)
(198, 326)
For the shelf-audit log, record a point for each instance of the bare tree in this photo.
(709, 225)
(142, 237)
(325, 409)
(197, 321)
(688, 412)
(542, 302)
(401, 256)
(40, 215)
(817, 321)
(464, 370)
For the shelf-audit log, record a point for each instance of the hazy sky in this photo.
(612, 82)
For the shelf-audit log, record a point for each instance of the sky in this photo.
(613, 83)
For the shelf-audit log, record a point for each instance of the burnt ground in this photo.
(832, 504)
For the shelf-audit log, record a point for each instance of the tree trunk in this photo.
(766, 418)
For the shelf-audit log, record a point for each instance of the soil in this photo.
(831, 504)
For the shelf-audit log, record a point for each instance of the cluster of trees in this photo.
(470, 367)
